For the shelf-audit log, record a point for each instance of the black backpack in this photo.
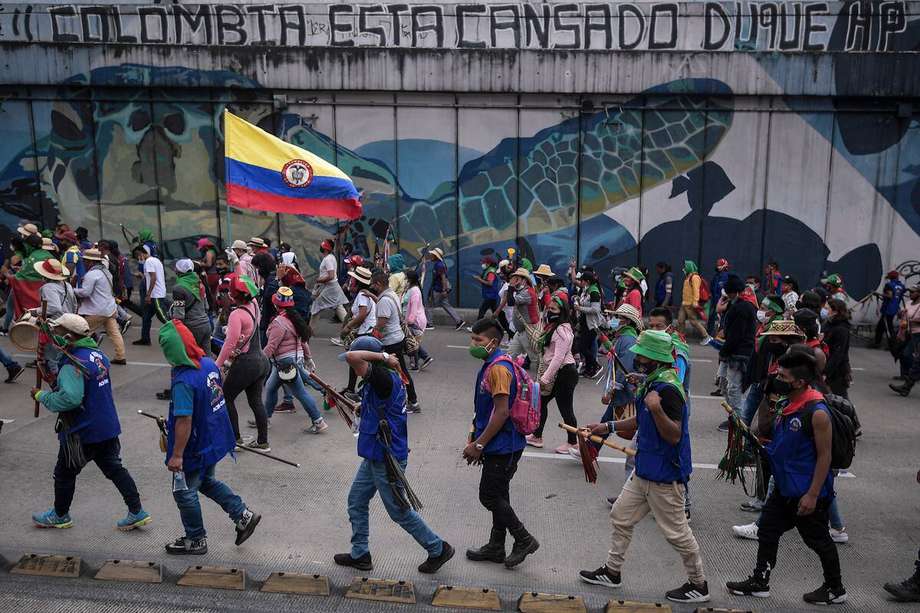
(844, 430)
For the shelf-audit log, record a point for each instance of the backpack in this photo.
(525, 410)
(705, 292)
(844, 430)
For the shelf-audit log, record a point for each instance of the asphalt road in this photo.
(304, 509)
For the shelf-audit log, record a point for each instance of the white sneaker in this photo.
(747, 531)
(337, 341)
(839, 536)
(706, 340)
(573, 451)
(318, 427)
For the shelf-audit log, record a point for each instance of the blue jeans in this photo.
(6, 360)
(295, 386)
(10, 311)
(371, 479)
(202, 480)
(751, 402)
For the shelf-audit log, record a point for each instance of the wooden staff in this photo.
(40, 358)
(594, 438)
(346, 409)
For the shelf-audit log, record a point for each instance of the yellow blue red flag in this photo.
(263, 172)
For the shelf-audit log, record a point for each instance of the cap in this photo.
(72, 323)
(363, 343)
(184, 265)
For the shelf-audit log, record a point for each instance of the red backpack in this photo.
(705, 292)
(525, 410)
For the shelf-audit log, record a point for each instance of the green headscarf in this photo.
(690, 267)
(396, 262)
(178, 345)
(527, 264)
(190, 281)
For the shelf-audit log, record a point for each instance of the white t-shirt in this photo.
(327, 265)
(154, 265)
(508, 310)
(370, 322)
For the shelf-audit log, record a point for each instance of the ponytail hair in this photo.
(303, 329)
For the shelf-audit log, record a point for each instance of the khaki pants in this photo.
(688, 313)
(111, 330)
(666, 502)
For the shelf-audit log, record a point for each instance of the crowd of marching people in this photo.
(239, 322)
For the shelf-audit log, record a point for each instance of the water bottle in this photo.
(179, 484)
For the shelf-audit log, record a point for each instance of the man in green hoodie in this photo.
(690, 309)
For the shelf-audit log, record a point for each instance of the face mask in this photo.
(776, 348)
(825, 313)
(783, 388)
(479, 352)
(553, 317)
(761, 316)
(644, 368)
(484, 266)
(614, 324)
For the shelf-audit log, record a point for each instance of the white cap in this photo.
(184, 265)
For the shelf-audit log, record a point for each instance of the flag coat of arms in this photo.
(265, 173)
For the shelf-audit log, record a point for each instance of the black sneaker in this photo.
(755, 586)
(362, 563)
(413, 407)
(125, 326)
(13, 373)
(165, 394)
(907, 590)
(825, 595)
(601, 576)
(460, 326)
(183, 546)
(715, 393)
(246, 526)
(429, 327)
(141, 343)
(426, 363)
(432, 565)
(723, 427)
(689, 592)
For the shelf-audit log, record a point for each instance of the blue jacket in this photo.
(97, 419)
(793, 454)
(715, 288)
(393, 409)
(508, 439)
(656, 459)
(891, 306)
(625, 392)
(212, 435)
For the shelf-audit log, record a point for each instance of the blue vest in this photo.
(97, 419)
(656, 459)
(490, 292)
(793, 454)
(393, 409)
(212, 435)
(508, 439)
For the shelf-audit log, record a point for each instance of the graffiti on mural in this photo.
(719, 26)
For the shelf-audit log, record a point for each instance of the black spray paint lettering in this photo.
(195, 22)
(230, 20)
(299, 26)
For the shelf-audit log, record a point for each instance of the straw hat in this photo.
(361, 274)
(72, 323)
(27, 230)
(256, 241)
(93, 254)
(51, 269)
(438, 253)
(655, 345)
(783, 327)
(628, 311)
(523, 273)
(48, 244)
(238, 244)
(544, 271)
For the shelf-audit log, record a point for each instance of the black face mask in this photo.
(783, 388)
(644, 368)
(776, 348)
(553, 317)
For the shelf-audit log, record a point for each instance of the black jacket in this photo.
(837, 338)
(739, 324)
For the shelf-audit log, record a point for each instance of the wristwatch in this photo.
(478, 446)
(386, 356)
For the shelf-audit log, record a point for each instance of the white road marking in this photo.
(458, 346)
(700, 360)
(857, 368)
(559, 456)
(159, 364)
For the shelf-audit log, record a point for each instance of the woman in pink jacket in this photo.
(558, 375)
(416, 320)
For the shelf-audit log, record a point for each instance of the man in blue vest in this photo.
(497, 445)
(663, 466)
(800, 459)
(382, 430)
(198, 436)
(89, 427)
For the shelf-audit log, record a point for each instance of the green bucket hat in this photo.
(655, 345)
(635, 274)
(833, 280)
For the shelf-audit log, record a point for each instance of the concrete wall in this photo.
(752, 150)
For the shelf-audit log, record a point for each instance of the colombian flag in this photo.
(265, 173)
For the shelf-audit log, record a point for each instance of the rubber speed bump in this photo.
(466, 598)
(296, 583)
(130, 570)
(214, 577)
(535, 602)
(48, 566)
(628, 606)
(382, 590)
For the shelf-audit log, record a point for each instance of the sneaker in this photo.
(534, 441)
(747, 531)
(460, 326)
(126, 325)
(258, 446)
(469, 329)
(141, 343)
(318, 427)
(564, 449)
(285, 407)
(723, 427)
(429, 327)
(689, 592)
(754, 505)
(433, 564)
(362, 563)
(839, 536)
(246, 526)
(413, 407)
(244, 440)
(825, 595)
(715, 393)
(706, 340)
(601, 576)
(337, 341)
(574, 452)
(252, 423)
(413, 366)
(50, 519)
(119, 362)
(184, 546)
(907, 590)
(426, 363)
(134, 520)
(756, 586)
(13, 373)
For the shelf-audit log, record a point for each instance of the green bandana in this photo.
(189, 280)
(690, 267)
(627, 331)
(250, 285)
(665, 374)
(85, 343)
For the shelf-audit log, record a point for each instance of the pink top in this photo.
(634, 298)
(558, 352)
(239, 324)
(415, 310)
(283, 341)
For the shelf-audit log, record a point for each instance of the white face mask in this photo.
(761, 316)
(613, 324)
(824, 313)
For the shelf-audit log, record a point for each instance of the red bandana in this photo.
(809, 395)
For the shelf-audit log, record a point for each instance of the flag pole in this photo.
(226, 195)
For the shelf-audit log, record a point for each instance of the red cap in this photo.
(893, 274)
(355, 260)
(327, 245)
(721, 264)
